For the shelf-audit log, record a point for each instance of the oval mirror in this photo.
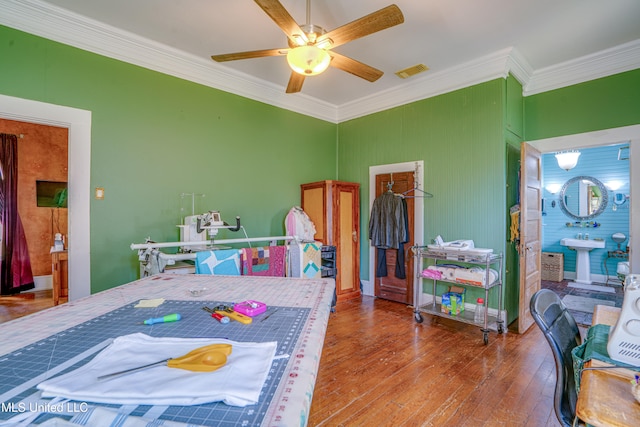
(583, 197)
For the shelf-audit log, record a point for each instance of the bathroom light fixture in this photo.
(308, 60)
(553, 188)
(568, 159)
(613, 185)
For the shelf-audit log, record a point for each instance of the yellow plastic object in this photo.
(203, 359)
(238, 317)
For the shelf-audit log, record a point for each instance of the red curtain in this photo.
(15, 267)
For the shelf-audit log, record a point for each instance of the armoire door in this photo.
(334, 208)
(391, 287)
(347, 239)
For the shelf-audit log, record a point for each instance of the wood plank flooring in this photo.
(379, 367)
(14, 306)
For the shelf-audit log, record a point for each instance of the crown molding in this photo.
(618, 59)
(57, 24)
(490, 67)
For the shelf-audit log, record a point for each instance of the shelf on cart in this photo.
(461, 256)
(465, 316)
(471, 285)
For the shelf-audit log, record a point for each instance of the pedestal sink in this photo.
(582, 248)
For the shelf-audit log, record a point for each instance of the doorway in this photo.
(79, 162)
(397, 284)
(410, 175)
(42, 182)
(602, 138)
(608, 137)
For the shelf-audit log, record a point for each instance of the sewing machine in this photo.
(196, 228)
(196, 234)
(624, 339)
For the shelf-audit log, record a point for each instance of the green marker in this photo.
(164, 319)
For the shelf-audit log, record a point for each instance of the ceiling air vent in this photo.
(411, 71)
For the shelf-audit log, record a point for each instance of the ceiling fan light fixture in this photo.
(567, 160)
(308, 60)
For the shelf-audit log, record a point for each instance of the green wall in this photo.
(459, 135)
(514, 135)
(604, 103)
(155, 137)
(600, 104)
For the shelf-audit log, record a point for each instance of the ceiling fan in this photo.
(309, 52)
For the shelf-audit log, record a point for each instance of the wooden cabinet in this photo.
(60, 272)
(334, 208)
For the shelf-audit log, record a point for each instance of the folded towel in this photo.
(448, 271)
(432, 274)
(221, 262)
(238, 383)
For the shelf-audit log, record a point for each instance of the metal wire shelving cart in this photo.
(425, 256)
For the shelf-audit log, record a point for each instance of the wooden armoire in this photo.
(334, 208)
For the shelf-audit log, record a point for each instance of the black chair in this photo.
(562, 334)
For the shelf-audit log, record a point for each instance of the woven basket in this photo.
(552, 266)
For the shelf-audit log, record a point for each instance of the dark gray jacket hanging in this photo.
(388, 228)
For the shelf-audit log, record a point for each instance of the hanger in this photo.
(390, 187)
(424, 193)
(404, 194)
(390, 184)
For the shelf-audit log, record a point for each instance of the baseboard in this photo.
(596, 278)
(43, 283)
(593, 287)
(367, 288)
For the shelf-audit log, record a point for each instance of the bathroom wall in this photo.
(601, 163)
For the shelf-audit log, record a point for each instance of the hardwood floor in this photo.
(14, 306)
(380, 367)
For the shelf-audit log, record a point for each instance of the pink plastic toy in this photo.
(250, 308)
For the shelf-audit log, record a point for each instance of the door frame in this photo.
(608, 137)
(79, 162)
(417, 167)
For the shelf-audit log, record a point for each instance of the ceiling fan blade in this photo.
(384, 18)
(354, 67)
(249, 54)
(283, 19)
(295, 82)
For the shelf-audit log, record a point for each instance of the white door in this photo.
(530, 231)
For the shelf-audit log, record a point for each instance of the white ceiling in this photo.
(545, 43)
